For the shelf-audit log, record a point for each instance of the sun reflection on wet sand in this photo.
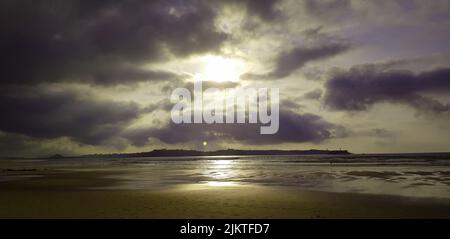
(221, 184)
(220, 172)
(222, 163)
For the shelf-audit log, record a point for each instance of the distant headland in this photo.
(226, 152)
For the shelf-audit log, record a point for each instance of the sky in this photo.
(83, 77)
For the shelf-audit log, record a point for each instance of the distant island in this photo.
(227, 152)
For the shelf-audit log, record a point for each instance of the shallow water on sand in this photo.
(414, 175)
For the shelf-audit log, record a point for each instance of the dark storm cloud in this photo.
(290, 61)
(328, 9)
(293, 128)
(128, 75)
(266, 10)
(361, 87)
(102, 42)
(57, 114)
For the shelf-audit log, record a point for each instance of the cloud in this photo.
(50, 115)
(11, 145)
(180, 83)
(128, 75)
(164, 105)
(289, 61)
(264, 9)
(104, 42)
(330, 10)
(291, 104)
(294, 128)
(313, 94)
(361, 87)
(16, 145)
(213, 84)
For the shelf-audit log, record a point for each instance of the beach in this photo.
(118, 189)
(225, 202)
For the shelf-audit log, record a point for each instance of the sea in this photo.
(411, 175)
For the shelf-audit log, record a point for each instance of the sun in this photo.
(220, 69)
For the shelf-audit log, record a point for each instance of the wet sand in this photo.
(68, 194)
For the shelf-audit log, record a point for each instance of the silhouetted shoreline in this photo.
(227, 152)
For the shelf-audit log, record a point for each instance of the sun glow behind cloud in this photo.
(220, 69)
